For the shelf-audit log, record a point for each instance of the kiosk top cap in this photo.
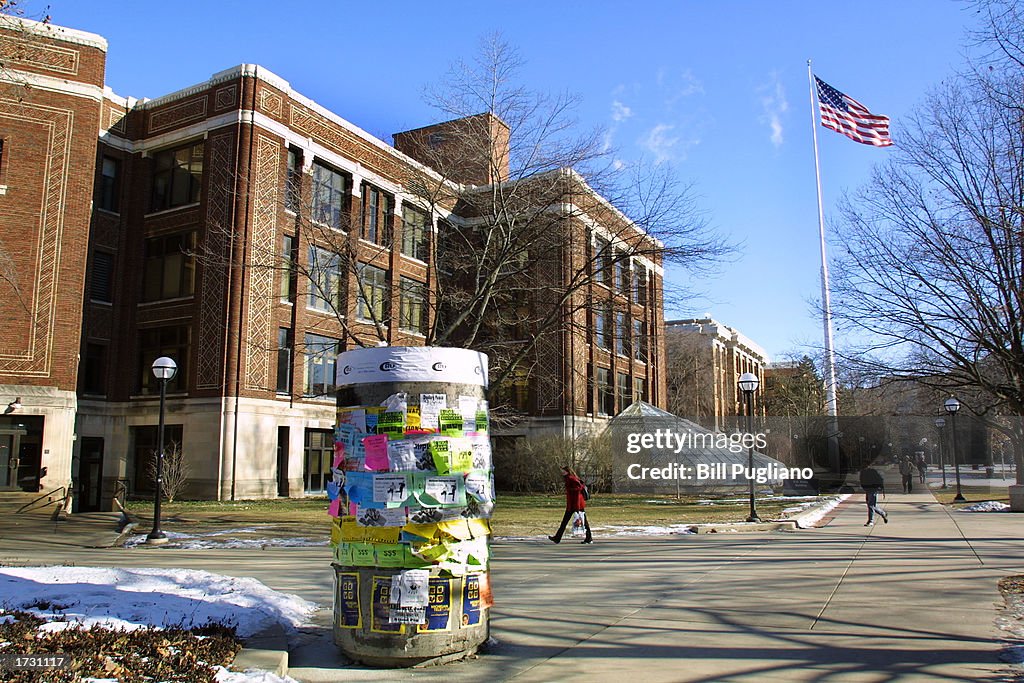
(411, 364)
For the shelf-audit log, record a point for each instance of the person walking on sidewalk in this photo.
(922, 469)
(574, 502)
(907, 470)
(872, 483)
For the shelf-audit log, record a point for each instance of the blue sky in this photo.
(717, 89)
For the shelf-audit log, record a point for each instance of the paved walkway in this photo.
(913, 600)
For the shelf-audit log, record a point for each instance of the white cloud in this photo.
(620, 112)
(660, 142)
(690, 85)
(774, 107)
(683, 85)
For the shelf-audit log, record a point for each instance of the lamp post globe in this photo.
(164, 369)
(952, 406)
(748, 383)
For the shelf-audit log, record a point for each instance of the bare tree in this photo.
(174, 473)
(690, 378)
(931, 275)
(797, 391)
(514, 273)
(494, 208)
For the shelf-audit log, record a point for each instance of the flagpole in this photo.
(826, 299)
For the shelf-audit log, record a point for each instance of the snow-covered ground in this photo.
(627, 530)
(815, 511)
(986, 506)
(134, 598)
(248, 537)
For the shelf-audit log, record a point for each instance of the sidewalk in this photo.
(913, 600)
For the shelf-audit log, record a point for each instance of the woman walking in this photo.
(574, 502)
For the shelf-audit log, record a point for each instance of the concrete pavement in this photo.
(913, 600)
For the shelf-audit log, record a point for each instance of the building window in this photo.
(101, 279)
(602, 261)
(93, 377)
(285, 344)
(412, 315)
(624, 388)
(590, 389)
(621, 334)
(319, 449)
(371, 303)
(177, 176)
(622, 274)
(321, 361)
(145, 444)
(170, 267)
(638, 389)
(289, 258)
(640, 341)
(109, 188)
(414, 233)
(172, 341)
(328, 196)
(605, 395)
(293, 181)
(324, 280)
(378, 213)
(371, 215)
(640, 285)
(602, 326)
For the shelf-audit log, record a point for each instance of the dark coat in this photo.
(574, 494)
(871, 480)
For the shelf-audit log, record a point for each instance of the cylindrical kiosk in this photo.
(410, 501)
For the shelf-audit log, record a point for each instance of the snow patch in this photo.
(986, 506)
(134, 598)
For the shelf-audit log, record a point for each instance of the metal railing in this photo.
(45, 499)
(121, 493)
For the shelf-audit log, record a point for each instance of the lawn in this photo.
(973, 494)
(514, 515)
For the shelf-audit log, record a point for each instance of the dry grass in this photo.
(973, 494)
(514, 515)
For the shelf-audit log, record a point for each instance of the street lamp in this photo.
(164, 370)
(940, 422)
(952, 406)
(748, 385)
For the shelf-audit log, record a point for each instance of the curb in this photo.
(266, 651)
(810, 519)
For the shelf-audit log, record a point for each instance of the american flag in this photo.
(845, 115)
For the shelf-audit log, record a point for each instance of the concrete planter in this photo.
(1017, 498)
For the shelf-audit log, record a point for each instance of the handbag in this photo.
(586, 492)
(579, 524)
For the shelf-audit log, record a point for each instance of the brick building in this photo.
(705, 361)
(251, 234)
(51, 102)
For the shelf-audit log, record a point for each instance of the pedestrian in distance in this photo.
(922, 469)
(574, 502)
(873, 484)
(907, 470)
